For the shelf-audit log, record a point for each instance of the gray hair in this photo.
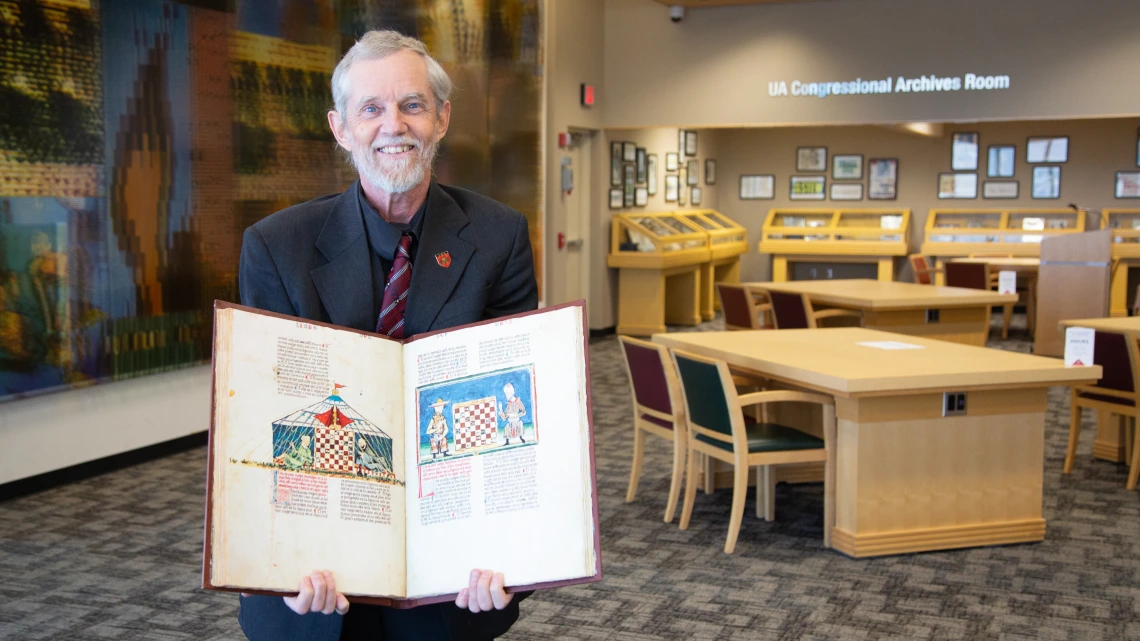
(378, 44)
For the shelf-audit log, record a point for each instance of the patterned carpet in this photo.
(118, 557)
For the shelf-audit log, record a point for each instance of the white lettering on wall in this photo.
(900, 84)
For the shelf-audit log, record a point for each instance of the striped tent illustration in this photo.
(330, 436)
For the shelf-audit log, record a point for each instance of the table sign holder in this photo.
(1073, 282)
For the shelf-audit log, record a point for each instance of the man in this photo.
(300, 455)
(513, 415)
(368, 460)
(398, 254)
(437, 430)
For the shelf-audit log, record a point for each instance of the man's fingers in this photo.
(329, 604)
(499, 596)
(484, 592)
(461, 599)
(341, 604)
(473, 591)
(300, 603)
(318, 580)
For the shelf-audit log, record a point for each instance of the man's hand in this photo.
(484, 592)
(317, 593)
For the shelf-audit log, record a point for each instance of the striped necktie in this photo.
(391, 320)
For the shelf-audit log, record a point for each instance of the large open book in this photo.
(400, 465)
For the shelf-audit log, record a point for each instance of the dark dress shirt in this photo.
(383, 238)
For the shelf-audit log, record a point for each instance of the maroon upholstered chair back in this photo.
(734, 302)
(968, 275)
(921, 269)
(647, 375)
(1110, 351)
(789, 310)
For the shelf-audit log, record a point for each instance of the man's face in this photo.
(390, 122)
(304, 440)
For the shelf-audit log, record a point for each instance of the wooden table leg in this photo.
(1109, 443)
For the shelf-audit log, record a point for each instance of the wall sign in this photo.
(900, 84)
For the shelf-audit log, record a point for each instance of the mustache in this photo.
(385, 141)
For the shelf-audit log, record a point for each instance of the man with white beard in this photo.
(398, 254)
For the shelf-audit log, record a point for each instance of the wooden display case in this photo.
(874, 236)
(659, 258)
(727, 242)
(1125, 227)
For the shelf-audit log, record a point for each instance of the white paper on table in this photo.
(890, 345)
(1079, 346)
(1007, 282)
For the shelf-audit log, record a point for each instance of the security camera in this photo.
(676, 13)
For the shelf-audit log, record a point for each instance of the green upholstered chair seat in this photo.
(770, 437)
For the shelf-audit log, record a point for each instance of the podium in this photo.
(1073, 282)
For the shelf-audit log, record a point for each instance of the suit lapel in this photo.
(344, 283)
(432, 283)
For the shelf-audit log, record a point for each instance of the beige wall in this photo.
(1097, 150)
(1064, 58)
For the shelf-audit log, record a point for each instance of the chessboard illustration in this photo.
(477, 414)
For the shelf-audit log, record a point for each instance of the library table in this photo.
(1109, 443)
(952, 314)
(908, 478)
(1026, 269)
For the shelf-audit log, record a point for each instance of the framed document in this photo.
(1047, 149)
(1000, 189)
(693, 169)
(695, 196)
(1128, 184)
(883, 180)
(651, 169)
(808, 188)
(681, 142)
(1047, 182)
(847, 167)
(958, 185)
(672, 184)
(846, 191)
(629, 152)
(757, 187)
(690, 143)
(628, 176)
(641, 197)
(615, 198)
(1138, 147)
(642, 170)
(615, 164)
(681, 188)
(710, 172)
(1000, 161)
(811, 159)
(964, 151)
(670, 161)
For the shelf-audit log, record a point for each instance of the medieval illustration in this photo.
(476, 414)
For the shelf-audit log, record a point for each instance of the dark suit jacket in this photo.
(312, 261)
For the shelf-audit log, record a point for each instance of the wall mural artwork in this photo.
(139, 138)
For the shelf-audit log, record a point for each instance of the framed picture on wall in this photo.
(670, 161)
(628, 184)
(642, 169)
(682, 188)
(1128, 184)
(1138, 147)
(695, 196)
(757, 187)
(883, 179)
(629, 152)
(1046, 182)
(957, 185)
(811, 159)
(672, 182)
(615, 164)
(964, 151)
(1000, 189)
(808, 188)
(1047, 149)
(615, 198)
(847, 191)
(710, 172)
(692, 169)
(1000, 161)
(641, 197)
(651, 170)
(847, 167)
(681, 142)
(690, 143)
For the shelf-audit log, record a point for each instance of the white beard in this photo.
(389, 175)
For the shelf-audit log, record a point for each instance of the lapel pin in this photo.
(444, 259)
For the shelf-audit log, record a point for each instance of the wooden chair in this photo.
(794, 311)
(1118, 391)
(995, 282)
(1136, 302)
(657, 410)
(739, 307)
(717, 428)
(923, 273)
(976, 276)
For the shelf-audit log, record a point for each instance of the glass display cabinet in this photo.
(962, 232)
(728, 240)
(835, 243)
(1125, 227)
